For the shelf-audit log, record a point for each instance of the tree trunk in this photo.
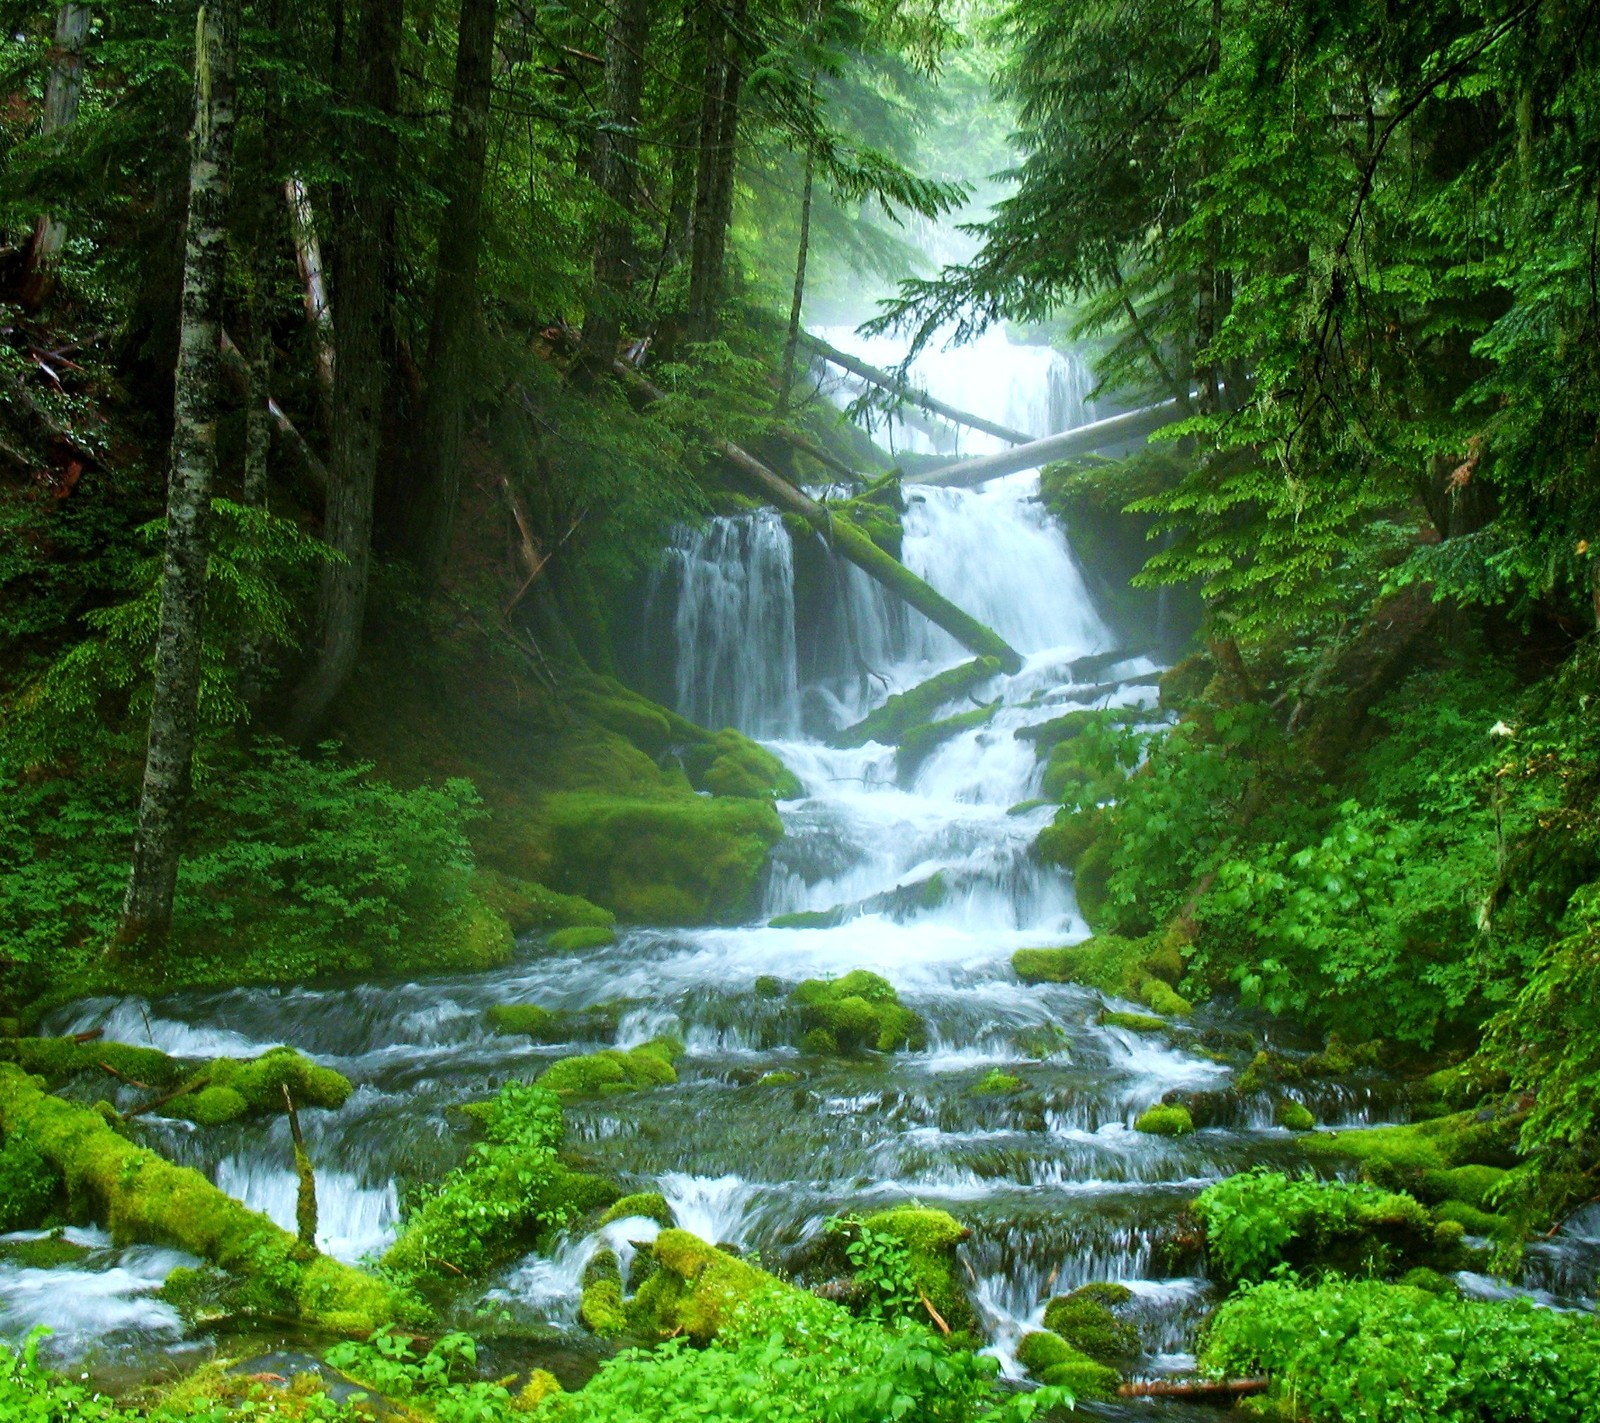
(616, 158)
(360, 273)
(257, 443)
(792, 344)
(314, 288)
(431, 509)
(61, 95)
(169, 758)
(714, 181)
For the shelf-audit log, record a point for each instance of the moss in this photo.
(212, 1106)
(781, 1078)
(652, 1205)
(711, 1284)
(1472, 1219)
(684, 860)
(600, 1307)
(916, 707)
(1422, 1278)
(545, 1025)
(996, 1083)
(1134, 1022)
(1169, 1119)
(527, 906)
(234, 1088)
(612, 1070)
(769, 987)
(1051, 1360)
(52, 1252)
(473, 937)
(805, 919)
(1085, 1320)
(580, 937)
(1295, 1116)
(541, 1384)
(1476, 1185)
(728, 763)
(1042, 1040)
(931, 1237)
(1124, 967)
(855, 1012)
(920, 742)
(1419, 1147)
(1047, 735)
(144, 1198)
(1160, 995)
(29, 1183)
(57, 1059)
(1069, 837)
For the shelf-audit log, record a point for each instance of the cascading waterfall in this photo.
(926, 879)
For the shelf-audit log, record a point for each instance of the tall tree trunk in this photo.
(792, 344)
(714, 181)
(360, 293)
(431, 509)
(314, 288)
(616, 158)
(61, 95)
(169, 758)
(1206, 306)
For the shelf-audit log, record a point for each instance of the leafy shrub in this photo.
(1365, 1352)
(28, 1184)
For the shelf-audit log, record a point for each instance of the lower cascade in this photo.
(1012, 1106)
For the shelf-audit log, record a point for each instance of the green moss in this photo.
(652, 1205)
(612, 1070)
(769, 987)
(920, 742)
(1422, 1278)
(916, 707)
(545, 1025)
(1134, 1022)
(682, 860)
(855, 1012)
(710, 1285)
(1295, 1116)
(727, 763)
(56, 1059)
(1042, 1040)
(781, 1078)
(1471, 1219)
(580, 937)
(1067, 840)
(473, 937)
(1168, 1119)
(142, 1198)
(1115, 965)
(1051, 1360)
(997, 1084)
(1433, 1145)
(52, 1252)
(29, 1183)
(1047, 735)
(1158, 994)
(600, 1307)
(527, 906)
(805, 919)
(931, 1237)
(232, 1088)
(1085, 1320)
(1475, 1185)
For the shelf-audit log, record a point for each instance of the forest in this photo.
(830, 710)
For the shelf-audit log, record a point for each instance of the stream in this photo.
(1057, 1188)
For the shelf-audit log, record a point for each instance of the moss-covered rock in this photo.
(730, 764)
(931, 1238)
(781, 1078)
(650, 1205)
(50, 1252)
(527, 906)
(1042, 1040)
(1396, 1152)
(1167, 1119)
(995, 1083)
(559, 1025)
(1143, 969)
(612, 1070)
(143, 1198)
(1133, 1022)
(1051, 1360)
(858, 1011)
(541, 1385)
(696, 1288)
(580, 937)
(1295, 1116)
(916, 707)
(1160, 995)
(600, 1307)
(1087, 1320)
(920, 742)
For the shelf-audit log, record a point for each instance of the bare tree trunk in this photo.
(616, 158)
(431, 511)
(314, 286)
(257, 442)
(147, 909)
(61, 95)
(792, 344)
(358, 372)
(714, 182)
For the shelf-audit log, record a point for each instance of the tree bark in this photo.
(431, 509)
(174, 711)
(616, 158)
(792, 345)
(360, 274)
(62, 93)
(257, 444)
(714, 180)
(314, 287)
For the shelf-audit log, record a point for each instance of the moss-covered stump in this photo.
(141, 1197)
(1088, 1320)
(556, 1025)
(920, 742)
(512, 1192)
(612, 1071)
(684, 859)
(1142, 969)
(853, 1013)
(1166, 1119)
(1051, 1360)
(916, 707)
(931, 1238)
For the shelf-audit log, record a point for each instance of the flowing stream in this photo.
(937, 889)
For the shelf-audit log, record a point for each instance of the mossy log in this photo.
(851, 543)
(907, 711)
(142, 1197)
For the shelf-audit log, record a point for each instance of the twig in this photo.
(194, 1084)
(938, 1318)
(131, 1081)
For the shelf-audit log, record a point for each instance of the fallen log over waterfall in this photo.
(909, 393)
(849, 542)
(1134, 425)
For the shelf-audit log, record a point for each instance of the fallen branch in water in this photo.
(1194, 1388)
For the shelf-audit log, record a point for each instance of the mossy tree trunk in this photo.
(431, 515)
(62, 93)
(361, 299)
(174, 711)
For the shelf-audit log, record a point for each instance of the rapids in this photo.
(1056, 1186)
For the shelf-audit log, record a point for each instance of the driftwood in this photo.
(1194, 1388)
(849, 542)
(909, 393)
(1134, 425)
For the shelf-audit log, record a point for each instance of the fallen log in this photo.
(915, 707)
(1134, 425)
(907, 392)
(1194, 1388)
(849, 542)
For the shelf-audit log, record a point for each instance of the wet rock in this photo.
(1294, 1116)
(1205, 1108)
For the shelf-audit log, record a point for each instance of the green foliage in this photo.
(28, 1184)
(441, 1380)
(1260, 1220)
(882, 1263)
(1365, 1352)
